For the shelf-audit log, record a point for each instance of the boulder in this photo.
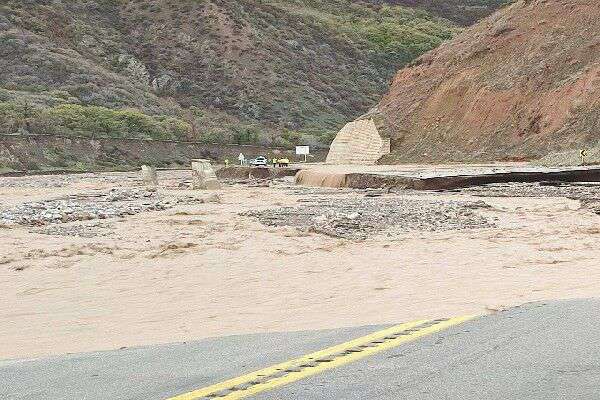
(203, 176)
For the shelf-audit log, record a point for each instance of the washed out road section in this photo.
(538, 350)
(320, 361)
(159, 372)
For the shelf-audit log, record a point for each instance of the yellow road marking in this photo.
(320, 361)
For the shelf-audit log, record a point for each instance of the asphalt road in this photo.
(537, 351)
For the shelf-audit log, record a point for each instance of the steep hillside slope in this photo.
(519, 84)
(463, 12)
(209, 69)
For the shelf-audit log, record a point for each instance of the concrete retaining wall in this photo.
(358, 142)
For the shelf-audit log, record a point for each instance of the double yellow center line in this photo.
(320, 361)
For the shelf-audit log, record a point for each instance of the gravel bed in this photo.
(114, 203)
(85, 230)
(57, 181)
(360, 218)
(558, 189)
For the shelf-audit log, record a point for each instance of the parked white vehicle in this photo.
(259, 161)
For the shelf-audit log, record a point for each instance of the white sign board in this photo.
(302, 150)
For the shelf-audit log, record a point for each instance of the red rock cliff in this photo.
(519, 84)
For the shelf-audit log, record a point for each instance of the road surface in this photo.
(536, 351)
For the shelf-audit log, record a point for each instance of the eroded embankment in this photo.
(370, 180)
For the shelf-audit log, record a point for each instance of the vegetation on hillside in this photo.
(274, 72)
(462, 12)
(90, 121)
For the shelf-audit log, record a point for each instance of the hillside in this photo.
(518, 85)
(462, 12)
(219, 70)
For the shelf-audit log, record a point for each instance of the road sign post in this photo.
(303, 151)
(583, 154)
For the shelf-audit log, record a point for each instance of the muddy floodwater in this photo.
(100, 261)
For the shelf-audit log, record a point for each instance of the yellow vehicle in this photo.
(283, 162)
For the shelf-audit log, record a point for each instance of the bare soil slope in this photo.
(519, 84)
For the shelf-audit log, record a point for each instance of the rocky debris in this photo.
(477, 205)
(576, 191)
(281, 182)
(376, 192)
(61, 211)
(50, 181)
(592, 205)
(182, 185)
(89, 230)
(63, 180)
(249, 182)
(318, 191)
(213, 198)
(83, 207)
(360, 218)
(116, 194)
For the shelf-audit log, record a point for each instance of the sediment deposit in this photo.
(277, 257)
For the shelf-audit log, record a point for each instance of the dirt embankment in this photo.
(518, 85)
(35, 153)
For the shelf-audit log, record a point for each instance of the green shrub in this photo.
(245, 135)
(4, 95)
(15, 116)
(60, 94)
(303, 64)
(175, 128)
(95, 121)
